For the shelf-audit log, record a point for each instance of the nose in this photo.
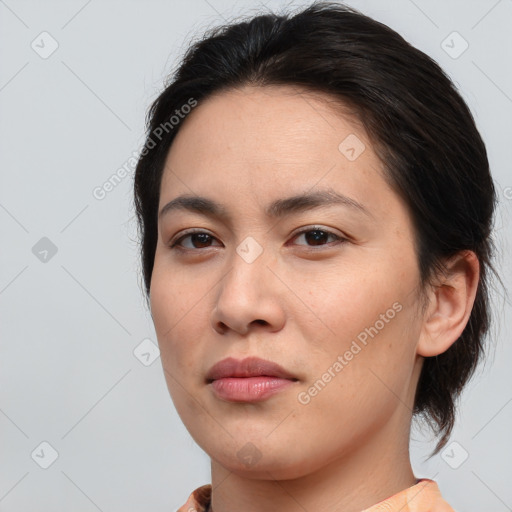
(249, 297)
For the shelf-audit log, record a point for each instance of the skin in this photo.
(299, 303)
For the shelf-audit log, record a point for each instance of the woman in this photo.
(315, 209)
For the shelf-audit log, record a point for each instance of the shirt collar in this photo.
(424, 496)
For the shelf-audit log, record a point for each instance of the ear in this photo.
(451, 300)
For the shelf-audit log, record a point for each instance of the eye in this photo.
(314, 236)
(317, 236)
(197, 238)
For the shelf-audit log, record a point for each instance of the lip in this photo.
(247, 380)
(248, 367)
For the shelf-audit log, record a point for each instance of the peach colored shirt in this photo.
(421, 497)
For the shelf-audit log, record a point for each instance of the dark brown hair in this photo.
(421, 127)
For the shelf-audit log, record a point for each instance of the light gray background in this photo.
(70, 324)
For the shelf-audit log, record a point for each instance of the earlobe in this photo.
(451, 300)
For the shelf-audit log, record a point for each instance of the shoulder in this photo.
(424, 496)
(199, 500)
(426, 493)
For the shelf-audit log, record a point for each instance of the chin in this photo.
(251, 459)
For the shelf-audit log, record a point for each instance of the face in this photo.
(326, 288)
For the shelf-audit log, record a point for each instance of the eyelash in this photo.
(339, 239)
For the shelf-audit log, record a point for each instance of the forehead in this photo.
(267, 142)
(270, 122)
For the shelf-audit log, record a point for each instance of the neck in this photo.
(353, 481)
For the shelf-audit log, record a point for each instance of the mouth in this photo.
(248, 380)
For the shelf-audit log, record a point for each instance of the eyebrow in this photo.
(276, 209)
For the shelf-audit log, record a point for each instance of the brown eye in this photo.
(317, 237)
(314, 237)
(198, 239)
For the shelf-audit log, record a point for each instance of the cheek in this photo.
(181, 308)
(173, 299)
(372, 324)
(173, 311)
(346, 304)
(360, 383)
(172, 314)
